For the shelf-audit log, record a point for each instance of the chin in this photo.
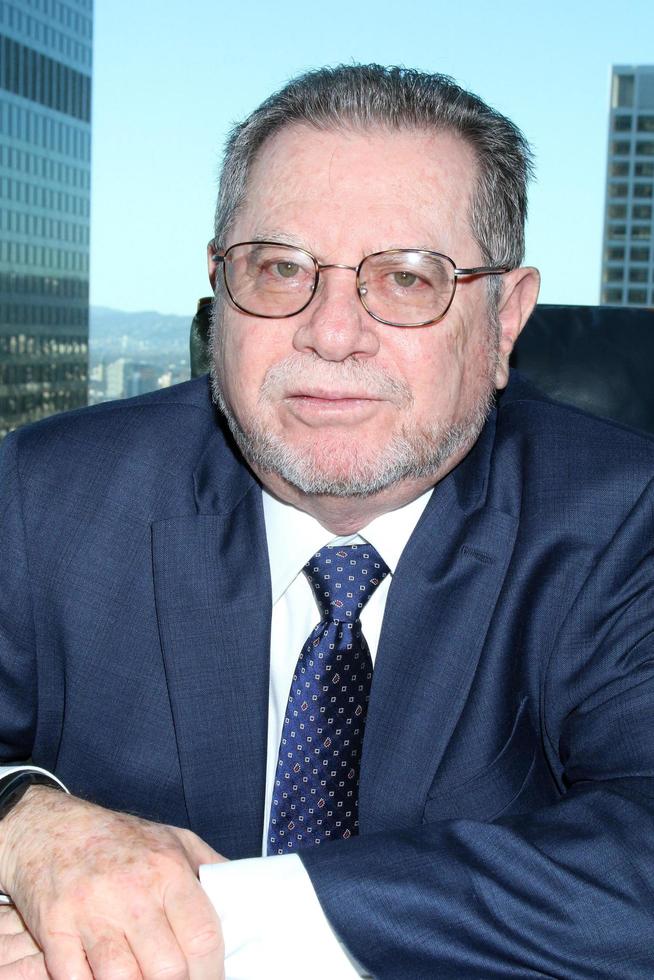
(325, 466)
(321, 469)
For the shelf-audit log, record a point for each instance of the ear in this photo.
(519, 295)
(212, 265)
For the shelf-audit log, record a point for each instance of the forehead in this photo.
(326, 188)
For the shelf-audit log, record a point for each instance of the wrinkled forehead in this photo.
(410, 181)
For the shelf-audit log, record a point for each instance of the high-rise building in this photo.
(45, 181)
(628, 254)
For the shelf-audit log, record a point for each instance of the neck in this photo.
(347, 515)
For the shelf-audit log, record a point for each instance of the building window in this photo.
(615, 254)
(37, 77)
(643, 190)
(641, 212)
(639, 254)
(644, 170)
(622, 124)
(620, 148)
(645, 148)
(637, 296)
(614, 274)
(619, 168)
(623, 91)
(612, 295)
(618, 190)
(638, 275)
(641, 233)
(617, 211)
(645, 124)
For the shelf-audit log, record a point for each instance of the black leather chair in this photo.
(599, 358)
(199, 341)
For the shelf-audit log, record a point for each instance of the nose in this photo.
(335, 325)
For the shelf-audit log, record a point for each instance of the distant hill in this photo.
(119, 333)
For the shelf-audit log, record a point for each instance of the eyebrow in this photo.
(286, 238)
(276, 235)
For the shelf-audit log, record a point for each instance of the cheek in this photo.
(231, 360)
(246, 352)
(446, 370)
(434, 365)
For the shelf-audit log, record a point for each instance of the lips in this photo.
(317, 406)
(333, 396)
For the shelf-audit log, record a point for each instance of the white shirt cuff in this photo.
(23, 767)
(273, 923)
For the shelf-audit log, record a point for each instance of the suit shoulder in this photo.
(143, 448)
(556, 431)
(176, 413)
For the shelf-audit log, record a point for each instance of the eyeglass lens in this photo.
(404, 287)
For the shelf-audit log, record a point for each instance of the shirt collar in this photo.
(294, 536)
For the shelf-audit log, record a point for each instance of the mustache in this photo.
(309, 371)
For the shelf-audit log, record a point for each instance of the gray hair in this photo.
(369, 96)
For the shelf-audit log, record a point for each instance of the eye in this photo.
(287, 270)
(404, 278)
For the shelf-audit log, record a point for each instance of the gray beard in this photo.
(414, 454)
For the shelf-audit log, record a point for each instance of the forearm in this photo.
(564, 891)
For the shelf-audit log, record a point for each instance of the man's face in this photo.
(330, 400)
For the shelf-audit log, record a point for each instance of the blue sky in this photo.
(171, 77)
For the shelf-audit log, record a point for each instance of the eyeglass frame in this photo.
(219, 255)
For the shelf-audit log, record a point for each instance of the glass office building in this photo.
(45, 156)
(628, 254)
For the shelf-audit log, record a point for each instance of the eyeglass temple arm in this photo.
(217, 254)
(483, 270)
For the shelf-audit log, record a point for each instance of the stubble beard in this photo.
(332, 469)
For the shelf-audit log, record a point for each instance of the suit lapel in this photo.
(437, 614)
(212, 591)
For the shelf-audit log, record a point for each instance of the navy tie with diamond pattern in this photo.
(315, 797)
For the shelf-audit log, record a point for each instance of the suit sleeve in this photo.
(563, 891)
(18, 675)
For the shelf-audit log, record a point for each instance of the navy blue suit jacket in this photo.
(506, 800)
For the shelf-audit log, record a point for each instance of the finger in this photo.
(64, 957)
(155, 946)
(16, 946)
(109, 956)
(196, 925)
(29, 968)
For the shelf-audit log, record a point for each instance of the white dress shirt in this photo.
(255, 897)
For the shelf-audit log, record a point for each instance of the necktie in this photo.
(315, 797)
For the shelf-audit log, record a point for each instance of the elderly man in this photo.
(203, 611)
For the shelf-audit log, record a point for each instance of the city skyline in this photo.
(45, 147)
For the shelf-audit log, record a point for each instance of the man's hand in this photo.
(108, 895)
(20, 957)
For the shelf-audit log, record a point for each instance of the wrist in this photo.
(14, 785)
(23, 794)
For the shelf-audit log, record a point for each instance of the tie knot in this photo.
(343, 579)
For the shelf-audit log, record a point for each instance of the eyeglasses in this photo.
(403, 287)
